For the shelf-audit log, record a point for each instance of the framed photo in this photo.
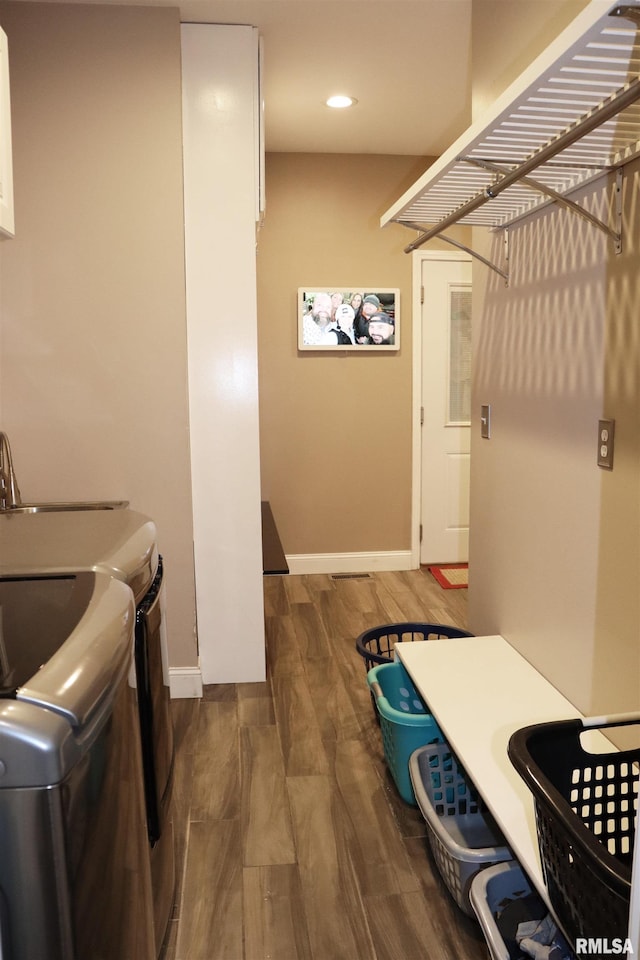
(348, 318)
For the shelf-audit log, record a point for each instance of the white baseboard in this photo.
(350, 562)
(185, 683)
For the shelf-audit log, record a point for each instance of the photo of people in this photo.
(348, 319)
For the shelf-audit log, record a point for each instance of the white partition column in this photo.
(221, 169)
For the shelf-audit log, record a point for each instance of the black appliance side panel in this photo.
(154, 705)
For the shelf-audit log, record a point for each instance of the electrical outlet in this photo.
(485, 421)
(606, 430)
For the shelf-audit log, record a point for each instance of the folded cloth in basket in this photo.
(537, 938)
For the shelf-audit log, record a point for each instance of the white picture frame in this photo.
(353, 318)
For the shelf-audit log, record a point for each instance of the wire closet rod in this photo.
(605, 111)
(553, 195)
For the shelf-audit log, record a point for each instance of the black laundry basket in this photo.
(376, 645)
(585, 817)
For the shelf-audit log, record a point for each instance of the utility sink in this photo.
(63, 507)
(12, 502)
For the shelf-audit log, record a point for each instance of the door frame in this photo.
(418, 257)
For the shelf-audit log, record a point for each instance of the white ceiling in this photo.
(406, 61)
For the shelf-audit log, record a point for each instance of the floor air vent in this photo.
(351, 576)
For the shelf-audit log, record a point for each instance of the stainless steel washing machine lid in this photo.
(121, 543)
(37, 615)
(74, 680)
(42, 729)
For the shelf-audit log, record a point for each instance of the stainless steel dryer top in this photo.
(120, 543)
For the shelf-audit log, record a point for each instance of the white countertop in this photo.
(480, 691)
(121, 543)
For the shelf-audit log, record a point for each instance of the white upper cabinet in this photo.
(7, 228)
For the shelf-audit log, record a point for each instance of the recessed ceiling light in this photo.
(340, 102)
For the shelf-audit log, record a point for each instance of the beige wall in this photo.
(617, 603)
(335, 430)
(93, 374)
(507, 36)
(555, 555)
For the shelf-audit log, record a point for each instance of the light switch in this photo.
(485, 421)
(606, 430)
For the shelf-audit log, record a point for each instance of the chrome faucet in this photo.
(9, 491)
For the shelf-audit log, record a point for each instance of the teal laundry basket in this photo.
(377, 645)
(405, 722)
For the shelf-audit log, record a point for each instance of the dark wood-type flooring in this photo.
(292, 841)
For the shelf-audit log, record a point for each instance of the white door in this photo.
(446, 410)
